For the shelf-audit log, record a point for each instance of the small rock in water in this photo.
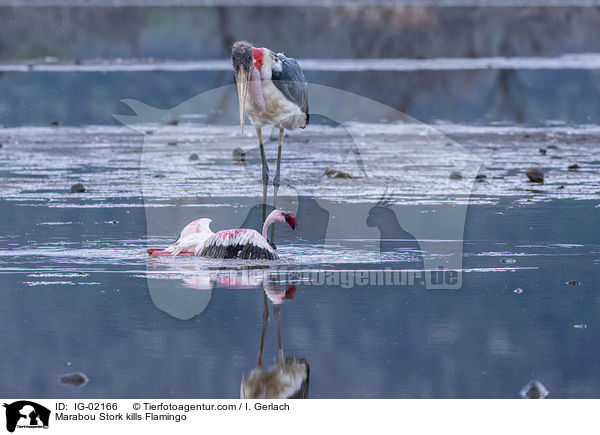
(173, 122)
(573, 283)
(193, 157)
(77, 188)
(543, 151)
(1, 145)
(573, 168)
(172, 144)
(561, 187)
(534, 390)
(552, 147)
(334, 173)
(580, 326)
(480, 178)
(518, 290)
(238, 156)
(535, 175)
(454, 175)
(54, 123)
(556, 157)
(74, 379)
(149, 132)
(508, 260)
(159, 176)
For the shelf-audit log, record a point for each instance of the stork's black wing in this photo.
(291, 82)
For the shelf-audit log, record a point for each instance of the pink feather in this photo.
(255, 89)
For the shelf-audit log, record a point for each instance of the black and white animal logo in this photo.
(26, 414)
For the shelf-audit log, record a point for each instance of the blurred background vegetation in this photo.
(195, 33)
(307, 32)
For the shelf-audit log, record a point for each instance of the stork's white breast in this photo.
(278, 109)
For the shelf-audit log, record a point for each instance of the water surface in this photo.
(81, 294)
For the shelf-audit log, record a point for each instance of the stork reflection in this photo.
(289, 377)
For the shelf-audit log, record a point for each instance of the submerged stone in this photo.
(193, 157)
(74, 379)
(334, 173)
(238, 156)
(535, 175)
(77, 188)
(534, 390)
(454, 175)
(573, 167)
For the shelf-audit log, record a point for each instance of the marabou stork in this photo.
(198, 239)
(271, 90)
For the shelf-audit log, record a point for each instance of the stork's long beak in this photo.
(241, 82)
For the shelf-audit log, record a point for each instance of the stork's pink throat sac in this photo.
(255, 89)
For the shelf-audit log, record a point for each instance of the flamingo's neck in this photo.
(270, 219)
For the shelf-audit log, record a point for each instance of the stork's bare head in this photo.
(241, 58)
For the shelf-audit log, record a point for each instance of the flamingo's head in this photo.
(281, 216)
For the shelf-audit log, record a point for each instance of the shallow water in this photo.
(81, 294)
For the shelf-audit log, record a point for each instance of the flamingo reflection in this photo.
(287, 379)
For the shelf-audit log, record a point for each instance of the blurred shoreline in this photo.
(583, 61)
(462, 65)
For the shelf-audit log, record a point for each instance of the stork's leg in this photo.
(265, 173)
(276, 312)
(265, 324)
(276, 182)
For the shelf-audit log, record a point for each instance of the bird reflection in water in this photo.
(287, 379)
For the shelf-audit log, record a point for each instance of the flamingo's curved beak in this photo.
(291, 221)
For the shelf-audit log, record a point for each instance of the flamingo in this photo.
(271, 90)
(197, 238)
